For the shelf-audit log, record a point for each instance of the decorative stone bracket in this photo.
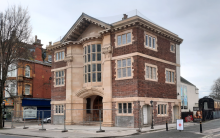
(68, 58)
(106, 49)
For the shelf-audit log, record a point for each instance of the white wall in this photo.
(192, 97)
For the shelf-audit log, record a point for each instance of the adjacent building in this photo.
(119, 68)
(28, 86)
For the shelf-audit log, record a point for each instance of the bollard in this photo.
(100, 130)
(24, 121)
(200, 126)
(166, 126)
(42, 118)
(64, 119)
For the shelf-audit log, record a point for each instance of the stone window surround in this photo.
(61, 50)
(162, 115)
(167, 69)
(116, 67)
(30, 70)
(124, 114)
(54, 80)
(151, 65)
(121, 33)
(174, 48)
(92, 62)
(149, 34)
(54, 108)
(30, 88)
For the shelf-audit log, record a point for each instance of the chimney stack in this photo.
(125, 16)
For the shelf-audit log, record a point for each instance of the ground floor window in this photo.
(59, 109)
(162, 109)
(124, 108)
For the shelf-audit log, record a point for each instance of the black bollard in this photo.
(200, 126)
(166, 126)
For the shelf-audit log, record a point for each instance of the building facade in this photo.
(118, 68)
(28, 84)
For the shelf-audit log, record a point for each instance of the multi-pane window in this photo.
(124, 108)
(59, 55)
(124, 68)
(162, 109)
(150, 41)
(59, 109)
(49, 58)
(27, 89)
(59, 77)
(27, 71)
(170, 76)
(151, 72)
(92, 63)
(124, 39)
(11, 89)
(172, 48)
(12, 71)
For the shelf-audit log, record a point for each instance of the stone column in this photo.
(107, 82)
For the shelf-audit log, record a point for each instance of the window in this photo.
(162, 109)
(12, 71)
(170, 76)
(49, 58)
(60, 56)
(151, 72)
(59, 109)
(172, 48)
(124, 38)
(124, 68)
(59, 77)
(27, 71)
(11, 89)
(92, 63)
(150, 41)
(27, 89)
(124, 108)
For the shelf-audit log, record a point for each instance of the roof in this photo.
(186, 81)
(38, 62)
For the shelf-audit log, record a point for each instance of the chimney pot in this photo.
(125, 16)
(35, 38)
(50, 43)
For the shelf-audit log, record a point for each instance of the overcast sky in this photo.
(196, 21)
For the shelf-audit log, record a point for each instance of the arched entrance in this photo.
(97, 104)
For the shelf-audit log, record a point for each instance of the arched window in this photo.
(27, 89)
(27, 71)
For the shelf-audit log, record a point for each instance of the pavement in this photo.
(55, 131)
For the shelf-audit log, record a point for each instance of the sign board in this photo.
(179, 124)
(30, 112)
(9, 102)
(195, 108)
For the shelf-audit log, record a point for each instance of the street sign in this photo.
(195, 108)
(179, 124)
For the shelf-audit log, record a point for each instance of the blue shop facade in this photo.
(34, 108)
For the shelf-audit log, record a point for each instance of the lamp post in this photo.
(3, 104)
(152, 123)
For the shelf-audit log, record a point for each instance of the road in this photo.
(211, 129)
(12, 136)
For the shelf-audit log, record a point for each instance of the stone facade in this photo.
(82, 88)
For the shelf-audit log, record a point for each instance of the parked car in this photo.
(47, 120)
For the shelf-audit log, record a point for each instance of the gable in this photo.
(91, 31)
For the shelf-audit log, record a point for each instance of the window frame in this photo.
(159, 109)
(121, 34)
(13, 72)
(174, 76)
(174, 48)
(59, 77)
(156, 73)
(26, 70)
(26, 88)
(60, 108)
(128, 111)
(147, 43)
(116, 68)
(58, 52)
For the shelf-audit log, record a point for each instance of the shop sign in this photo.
(179, 124)
(30, 112)
(9, 102)
(195, 108)
(197, 116)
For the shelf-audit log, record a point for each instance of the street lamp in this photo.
(152, 123)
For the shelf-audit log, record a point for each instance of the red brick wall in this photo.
(38, 53)
(58, 93)
(138, 86)
(136, 112)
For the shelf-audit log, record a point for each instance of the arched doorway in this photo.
(97, 104)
